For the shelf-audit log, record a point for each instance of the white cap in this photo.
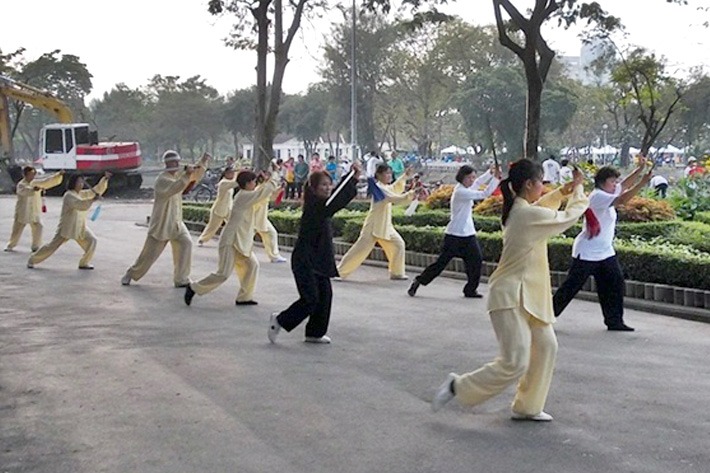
(171, 155)
(691, 159)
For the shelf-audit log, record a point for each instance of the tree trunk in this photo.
(259, 158)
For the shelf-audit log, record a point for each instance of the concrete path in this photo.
(96, 377)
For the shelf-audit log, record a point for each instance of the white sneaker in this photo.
(274, 328)
(126, 279)
(278, 259)
(443, 394)
(540, 417)
(324, 339)
(401, 277)
(8, 249)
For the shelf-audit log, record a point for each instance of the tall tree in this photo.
(254, 19)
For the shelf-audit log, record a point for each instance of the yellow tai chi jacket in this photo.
(222, 205)
(239, 230)
(29, 201)
(166, 218)
(379, 219)
(522, 278)
(75, 205)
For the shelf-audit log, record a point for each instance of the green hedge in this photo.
(703, 217)
(653, 262)
(647, 263)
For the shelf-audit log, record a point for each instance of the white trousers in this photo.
(152, 249)
(87, 243)
(17, 229)
(246, 267)
(270, 239)
(394, 250)
(211, 228)
(528, 348)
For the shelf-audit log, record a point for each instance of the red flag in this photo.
(592, 223)
(280, 196)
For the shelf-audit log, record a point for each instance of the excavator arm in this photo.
(12, 89)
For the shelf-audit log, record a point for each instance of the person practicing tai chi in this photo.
(312, 260)
(28, 208)
(267, 232)
(593, 249)
(237, 240)
(72, 221)
(378, 226)
(166, 225)
(460, 236)
(520, 296)
(221, 207)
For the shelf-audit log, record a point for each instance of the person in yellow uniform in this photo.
(237, 241)
(267, 232)
(29, 205)
(520, 296)
(222, 205)
(72, 221)
(166, 225)
(378, 226)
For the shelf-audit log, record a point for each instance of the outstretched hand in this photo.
(577, 179)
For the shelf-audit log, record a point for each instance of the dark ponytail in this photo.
(520, 172)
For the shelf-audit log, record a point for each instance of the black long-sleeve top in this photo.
(314, 248)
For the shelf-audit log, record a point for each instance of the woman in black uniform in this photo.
(312, 260)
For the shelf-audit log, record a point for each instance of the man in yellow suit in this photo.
(72, 221)
(267, 232)
(222, 206)
(237, 241)
(378, 226)
(29, 205)
(166, 223)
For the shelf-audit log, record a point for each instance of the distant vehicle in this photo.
(66, 145)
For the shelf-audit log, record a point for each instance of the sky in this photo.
(129, 41)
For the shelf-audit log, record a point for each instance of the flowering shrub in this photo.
(642, 209)
(440, 198)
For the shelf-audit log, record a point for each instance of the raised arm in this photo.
(166, 187)
(345, 191)
(545, 222)
(25, 190)
(49, 181)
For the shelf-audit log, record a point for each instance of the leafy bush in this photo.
(642, 209)
(703, 217)
(440, 198)
(492, 206)
(690, 196)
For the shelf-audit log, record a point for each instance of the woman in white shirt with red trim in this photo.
(593, 251)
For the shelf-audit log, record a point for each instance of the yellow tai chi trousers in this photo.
(270, 239)
(246, 267)
(214, 224)
(528, 348)
(17, 229)
(87, 243)
(152, 249)
(393, 248)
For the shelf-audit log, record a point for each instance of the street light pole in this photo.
(353, 88)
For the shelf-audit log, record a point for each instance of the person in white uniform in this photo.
(593, 250)
(460, 236)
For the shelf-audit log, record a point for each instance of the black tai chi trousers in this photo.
(316, 297)
(610, 287)
(468, 250)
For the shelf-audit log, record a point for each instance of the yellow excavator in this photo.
(66, 145)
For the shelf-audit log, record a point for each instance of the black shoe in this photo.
(474, 295)
(620, 328)
(181, 286)
(189, 294)
(88, 266)
(412, 291)
(246, 302)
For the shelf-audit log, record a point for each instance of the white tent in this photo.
(670, 149)
(453, 149)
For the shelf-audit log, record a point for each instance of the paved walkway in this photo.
(96, 377)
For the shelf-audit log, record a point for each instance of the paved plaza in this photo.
(97, 377)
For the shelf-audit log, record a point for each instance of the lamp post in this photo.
(353, 89)
(605, 127)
